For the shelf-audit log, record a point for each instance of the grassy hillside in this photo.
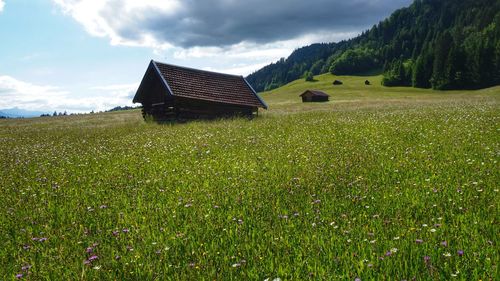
(377, 184)
(354, 94)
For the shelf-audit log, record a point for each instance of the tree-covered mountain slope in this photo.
(443, 44)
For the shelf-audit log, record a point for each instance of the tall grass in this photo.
(390, 191)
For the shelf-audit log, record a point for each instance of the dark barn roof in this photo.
(316, 93)
(202, 85)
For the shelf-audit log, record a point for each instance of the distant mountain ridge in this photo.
(443, 44)
(20, 113)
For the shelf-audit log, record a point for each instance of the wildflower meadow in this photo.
(374, 185)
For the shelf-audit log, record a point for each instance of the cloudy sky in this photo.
(82, 55)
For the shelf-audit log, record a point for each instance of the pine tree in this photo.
(316, 67)
(422, 72)
(442, 49)
(309, 76)
(455, 69)
(497, 63)
(487, 64)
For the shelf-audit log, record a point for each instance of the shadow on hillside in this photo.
(373, 72)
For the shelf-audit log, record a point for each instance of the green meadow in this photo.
(377, 184)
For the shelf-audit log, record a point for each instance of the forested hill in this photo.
(443, 44)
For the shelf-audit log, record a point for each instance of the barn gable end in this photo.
(153, 89)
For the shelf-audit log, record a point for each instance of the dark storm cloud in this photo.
(227, 22)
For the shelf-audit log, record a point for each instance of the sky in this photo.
(83, 55)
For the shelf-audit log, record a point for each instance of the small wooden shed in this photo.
(169, 92)
(314, 96)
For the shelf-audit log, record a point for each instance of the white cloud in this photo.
(225, 35)
(2, 5)
(247, 57)
(162, 24)
(105, 18)
(25, 95)
(238, 69)
(269, 51)
(119, 88)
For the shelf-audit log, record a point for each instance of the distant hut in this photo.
(367, 83)
(169, 92)
(337, 82)
(314, 96)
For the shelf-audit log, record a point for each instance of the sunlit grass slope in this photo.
(378, 184)
(354, 94)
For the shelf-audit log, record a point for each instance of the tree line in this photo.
(440, 44)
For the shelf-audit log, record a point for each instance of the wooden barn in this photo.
(314, 96)
(169, 92)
